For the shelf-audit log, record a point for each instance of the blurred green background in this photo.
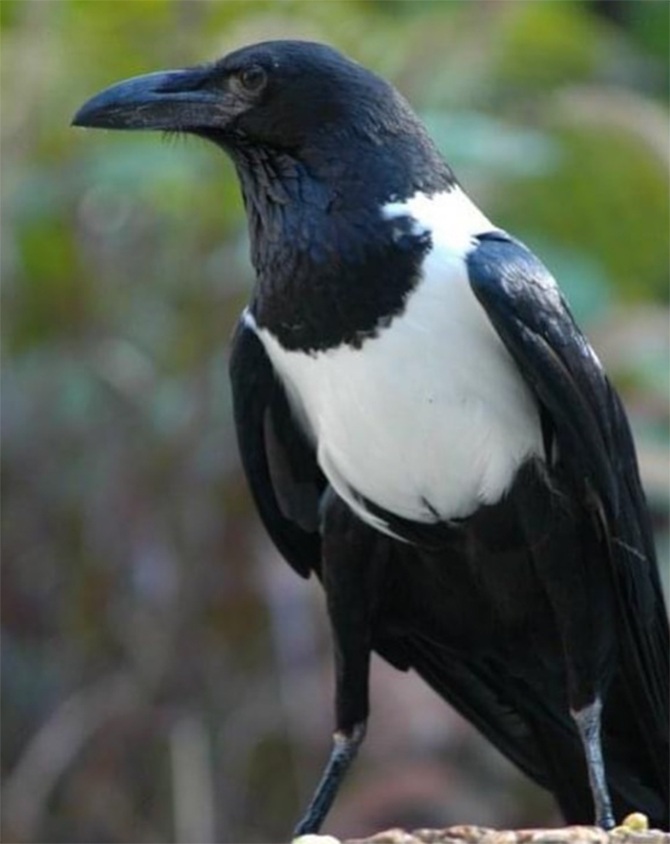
(165, 676)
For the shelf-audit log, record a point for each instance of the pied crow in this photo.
(425, 428)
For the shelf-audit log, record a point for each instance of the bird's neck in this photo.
(329, 268)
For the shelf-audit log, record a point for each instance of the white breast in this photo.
(430, 416)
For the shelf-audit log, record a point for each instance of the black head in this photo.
(289, 95)
(299, 98)
(320, 144)
(278, 94)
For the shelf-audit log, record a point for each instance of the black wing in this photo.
(278, 460)
(586, 420)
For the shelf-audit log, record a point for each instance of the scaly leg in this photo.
(348, 572)
(572, 562)
(588, 724)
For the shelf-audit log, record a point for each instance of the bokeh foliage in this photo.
(165, 676)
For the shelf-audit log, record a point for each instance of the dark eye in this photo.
(252, 78)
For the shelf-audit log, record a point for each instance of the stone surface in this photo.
(484, 835)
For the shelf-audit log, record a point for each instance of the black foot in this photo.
(345, 747)
(588, 725)
(606, 822)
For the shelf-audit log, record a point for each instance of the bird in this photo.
(425, 429)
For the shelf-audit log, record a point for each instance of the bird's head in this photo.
(279, 94)
(298, 99)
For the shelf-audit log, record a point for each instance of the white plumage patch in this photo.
(429, 419)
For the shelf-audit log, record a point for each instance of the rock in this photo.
(633, 833)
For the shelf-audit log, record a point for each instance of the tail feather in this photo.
(535, 732)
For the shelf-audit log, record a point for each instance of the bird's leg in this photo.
(576, 607)
(347, 571)
(587, 720)
(343, 753)
(578, 588)
(577, 604)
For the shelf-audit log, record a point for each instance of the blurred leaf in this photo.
(478, 141)
(608, 198)
(556, 39)
(650, 24)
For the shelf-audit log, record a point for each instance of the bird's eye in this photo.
(253, 78)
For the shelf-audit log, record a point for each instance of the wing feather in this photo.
(595, 446)
(279, 462)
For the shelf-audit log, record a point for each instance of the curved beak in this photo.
(173, 99)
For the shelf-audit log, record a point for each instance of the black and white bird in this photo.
(424, 427)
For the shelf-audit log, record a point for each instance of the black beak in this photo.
(171, 100)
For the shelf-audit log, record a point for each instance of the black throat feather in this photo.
(330, 269)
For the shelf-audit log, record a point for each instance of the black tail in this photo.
(510, 681)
